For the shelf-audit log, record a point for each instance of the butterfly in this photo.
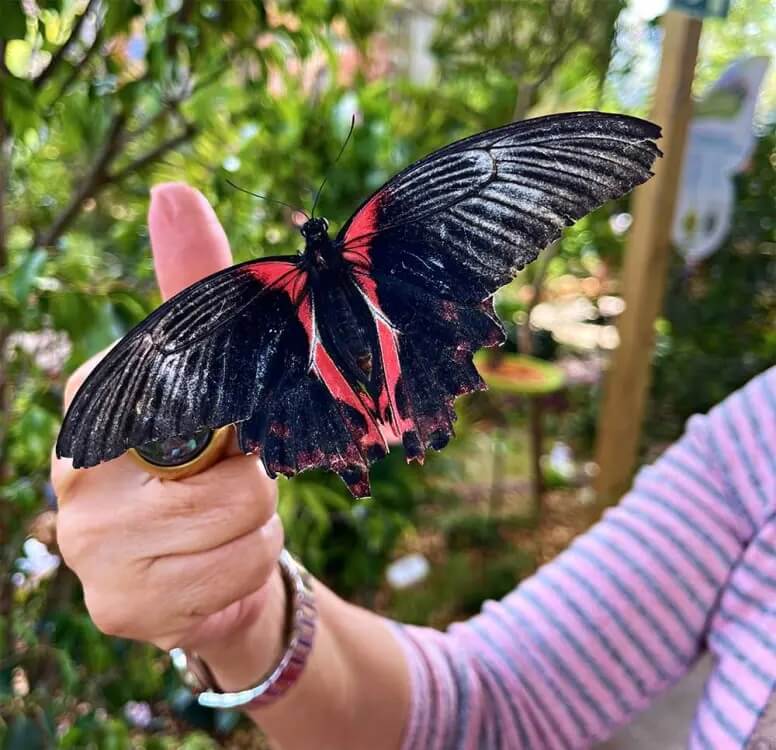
(315, 357)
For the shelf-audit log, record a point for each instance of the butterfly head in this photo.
(315, 230)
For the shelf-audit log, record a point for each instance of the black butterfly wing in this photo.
(431, 246)
(426, 252)
(232, 348)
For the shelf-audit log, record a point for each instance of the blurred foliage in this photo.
(99, 100)
(466, 531)
(749, 29)
(349, 544)
(719, 328)
(529, 46)
(458, 586)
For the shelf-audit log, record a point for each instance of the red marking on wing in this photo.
(280, 274)
(305, 314)
(389, 354)
(359, 232)
(326, 369)
(368, 287)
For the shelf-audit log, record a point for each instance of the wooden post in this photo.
(536, 435)
(645, 265)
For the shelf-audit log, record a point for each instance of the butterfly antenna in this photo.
(342, 149)
(267, 198)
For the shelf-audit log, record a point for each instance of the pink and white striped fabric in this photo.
(686, 562)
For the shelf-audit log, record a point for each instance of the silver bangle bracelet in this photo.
(300, 630)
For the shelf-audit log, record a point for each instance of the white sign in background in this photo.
(719, 143)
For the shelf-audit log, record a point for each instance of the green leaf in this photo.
(68, 670)
(129, 93)
(19, 101)
(14, 24)
(119, 15)
(24, 276)
(17, 57)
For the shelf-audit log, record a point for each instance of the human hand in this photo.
(189, 563)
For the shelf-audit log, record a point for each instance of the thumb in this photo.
(187, 240)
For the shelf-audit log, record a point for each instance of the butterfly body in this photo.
(344, 323)
(319, 253)
(316, 357)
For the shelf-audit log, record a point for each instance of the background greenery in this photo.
(99, 100)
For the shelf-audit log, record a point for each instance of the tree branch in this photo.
(95, 178)
(527, 90)
(59, 55)
(168, 108)
(525, 93)
(3, 68)
(76, 71)
(99, 176)
(153, 155)
(6, 148)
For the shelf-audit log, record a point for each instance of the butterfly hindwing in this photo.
(426, 347)
(316, 418)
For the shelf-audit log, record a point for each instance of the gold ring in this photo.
(211, 452)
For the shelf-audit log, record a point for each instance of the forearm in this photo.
(354, 692)
(579, 648)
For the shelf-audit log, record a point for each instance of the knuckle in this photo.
(181, 499)
(276, 538)
(257, 494)
(251, 511)
(261, 560)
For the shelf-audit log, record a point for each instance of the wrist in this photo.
(256, 641)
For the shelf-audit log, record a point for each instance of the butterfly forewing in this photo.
(432, 246)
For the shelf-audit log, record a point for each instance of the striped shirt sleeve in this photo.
(686, 562)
